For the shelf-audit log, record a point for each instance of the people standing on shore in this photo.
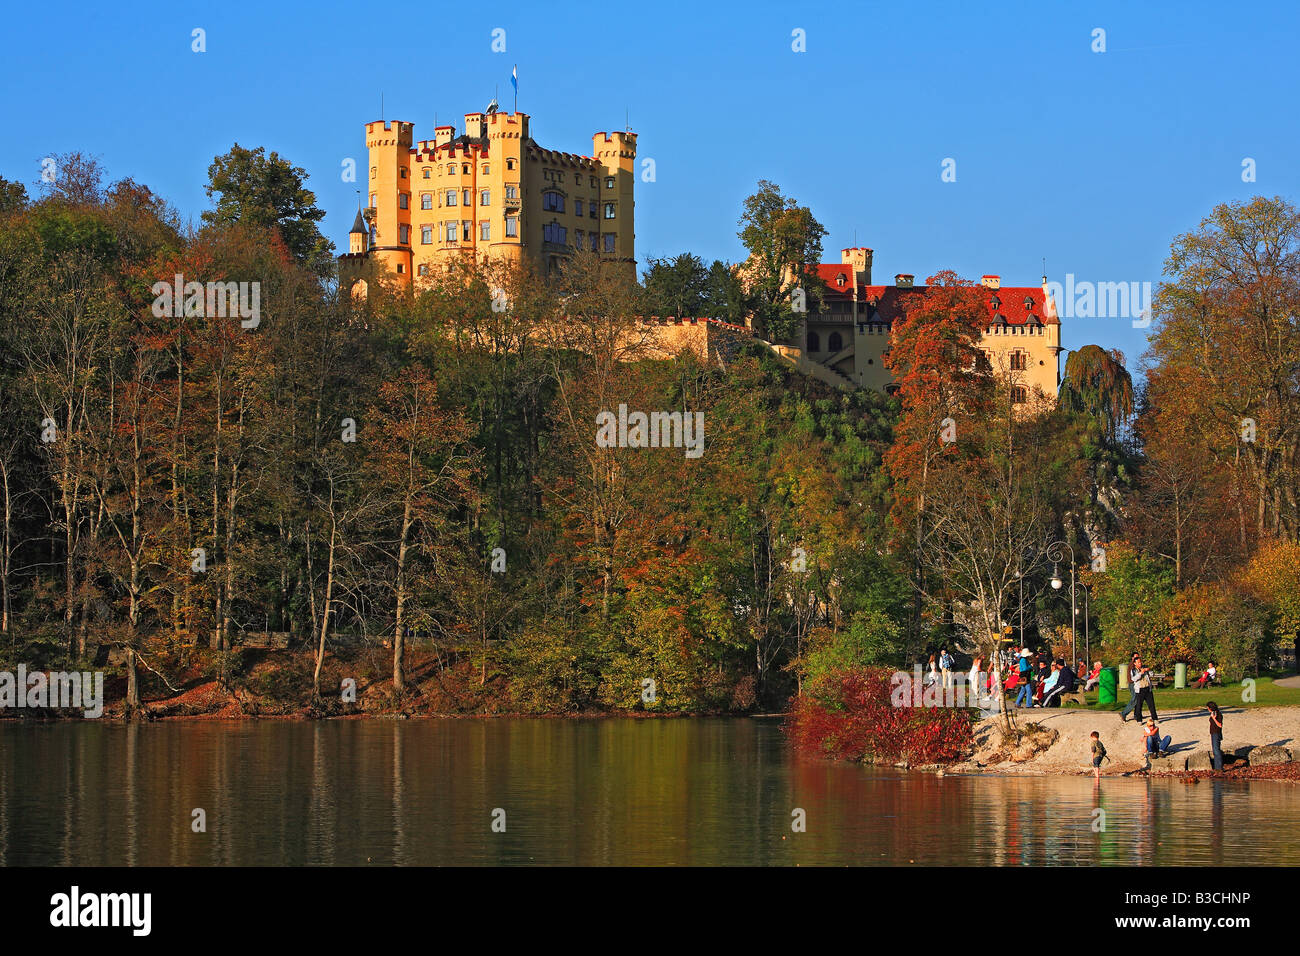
(1132, 691)
(973, 677)
(945, 667)
(1025, 681)
(1098, 754)
(1216, 734)
(1141, 684)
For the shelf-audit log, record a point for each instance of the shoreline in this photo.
(1057, 743)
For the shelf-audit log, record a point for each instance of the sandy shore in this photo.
(1071, 753)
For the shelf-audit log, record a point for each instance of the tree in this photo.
(1097, 383)
(269, 191)
(1228, 347)
(423, 460)
(677, 286)
(784, 242)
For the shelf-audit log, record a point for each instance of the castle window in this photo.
(486, 169)
(423, 269)
(609, 182)
(1018, 363)
(609, 210)
(510, 164)
(426, 200)
(485, 230)
(426, 234)
(485, 197)
(592, 206)
(835, 342)
(1018, 395)
(577, 207)
(554, 232)
(453, 231)
(593, 182)
(402, 172)
(374, 171)
(512, 192)
(426, 171)
(579, 240)
(552, 202)
(403, 201)
(467, 230)
(404, 234)
(469, 197)
(512, 225)
(451, 197)
(814, 341)
(609, 242)
(373, 197)
(401, 269)
(451, 169)
(465, 169)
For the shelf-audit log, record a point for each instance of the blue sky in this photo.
(1094, 161)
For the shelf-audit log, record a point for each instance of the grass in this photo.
(1267, 694)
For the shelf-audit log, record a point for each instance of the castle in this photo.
(844, 338)
(489, 193)
(492, 193)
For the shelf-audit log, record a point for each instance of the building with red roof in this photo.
(846, 334)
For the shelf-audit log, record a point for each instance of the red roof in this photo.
(1017, 304)
(888, 299)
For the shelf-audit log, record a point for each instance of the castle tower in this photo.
(859, 257)
(616, 154)
(389, 144)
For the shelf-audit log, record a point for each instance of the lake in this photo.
(696, 791)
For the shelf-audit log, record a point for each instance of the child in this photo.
(1154, 743)
(1098, 754)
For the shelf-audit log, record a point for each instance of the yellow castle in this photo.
(489, 193)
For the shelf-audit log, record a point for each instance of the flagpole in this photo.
(515, 84)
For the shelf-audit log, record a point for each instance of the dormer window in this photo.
(839, 281)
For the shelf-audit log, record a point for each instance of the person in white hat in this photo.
(1026, 679)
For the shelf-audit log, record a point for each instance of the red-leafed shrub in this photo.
(851, 717)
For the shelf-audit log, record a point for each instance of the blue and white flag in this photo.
(514, 77)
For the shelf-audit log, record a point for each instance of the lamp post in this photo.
(1087, 638)
(1056, 553)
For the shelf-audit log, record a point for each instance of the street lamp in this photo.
(1056, 552)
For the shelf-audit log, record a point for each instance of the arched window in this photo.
(835, 343)
(814, 341)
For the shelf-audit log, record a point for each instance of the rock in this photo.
(1267, 756)
(1168, 762)
(1201, 760)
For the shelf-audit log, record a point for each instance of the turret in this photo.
(359, 235)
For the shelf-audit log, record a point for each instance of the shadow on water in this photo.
(648, 792)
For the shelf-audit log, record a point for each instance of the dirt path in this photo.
(1189, 729)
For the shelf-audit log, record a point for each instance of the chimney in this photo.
(904, 280)
(991, 282)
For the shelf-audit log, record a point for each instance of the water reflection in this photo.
(666, 792)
